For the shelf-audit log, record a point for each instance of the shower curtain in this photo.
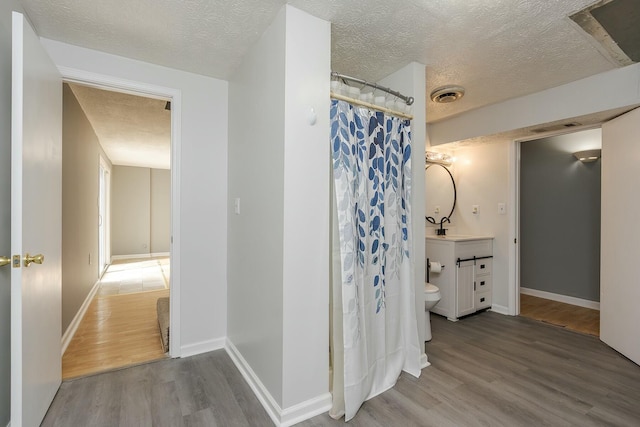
(375, 332)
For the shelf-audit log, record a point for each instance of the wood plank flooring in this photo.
(116, 331)
(486, 370)
(573, 317)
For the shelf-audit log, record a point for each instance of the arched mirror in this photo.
(440, 195)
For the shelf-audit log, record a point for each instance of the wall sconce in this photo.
(587, 156)
(439, 158)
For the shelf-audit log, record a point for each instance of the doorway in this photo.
(109, 232)
(559, 231)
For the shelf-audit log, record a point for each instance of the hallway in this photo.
(120, 327)
(572, 317)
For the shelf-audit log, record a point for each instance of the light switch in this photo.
(502, 208)
(236, 206)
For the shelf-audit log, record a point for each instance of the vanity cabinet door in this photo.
(465, 300)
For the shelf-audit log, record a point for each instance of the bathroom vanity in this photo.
(465, 280)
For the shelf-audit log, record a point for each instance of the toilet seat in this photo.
(430, 288)
(431, 292)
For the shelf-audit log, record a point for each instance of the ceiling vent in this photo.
(614, 25)
(556, 128)
(446, 94)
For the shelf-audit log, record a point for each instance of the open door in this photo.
(36, 215)
(620, 236)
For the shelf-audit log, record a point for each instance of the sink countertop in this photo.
(458, 237)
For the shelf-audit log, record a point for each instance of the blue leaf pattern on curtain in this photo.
(373, 213)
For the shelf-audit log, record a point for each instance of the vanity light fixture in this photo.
(588, 156)
(439, 158)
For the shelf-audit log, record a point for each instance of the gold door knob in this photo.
(4, 260)
(28, 259)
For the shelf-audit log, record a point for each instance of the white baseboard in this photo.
(75, 322)
(500, 309)
(305, 410)
(145, 255)
(595, 305)
(281, 418)
(200, 347)
(424, 361)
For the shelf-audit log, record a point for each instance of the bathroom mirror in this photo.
(440, 194)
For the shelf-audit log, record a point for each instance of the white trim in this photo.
(145, 255)
(595, 305)
(513, 295)
(282, 418)
(424, 361)
(261, 392)
(201, 347)
(501, 309)
(306, 410)
(73, 326)
(103, 81)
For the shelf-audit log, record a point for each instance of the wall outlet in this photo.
(475, 209)
(437, 210)
(502, 208)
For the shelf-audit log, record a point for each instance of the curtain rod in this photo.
(408, 99)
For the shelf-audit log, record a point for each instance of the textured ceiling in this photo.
(133, 131)
(496, 49)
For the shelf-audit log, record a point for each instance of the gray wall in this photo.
(5, 206)
(81, 152)
(140, 207)
(560, 216)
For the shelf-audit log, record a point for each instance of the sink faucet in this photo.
(443, 231)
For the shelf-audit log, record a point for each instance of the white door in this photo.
(36, 218)
(620, 235)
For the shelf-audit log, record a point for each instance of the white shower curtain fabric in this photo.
(371, 156)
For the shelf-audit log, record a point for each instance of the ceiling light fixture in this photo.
(587, 156)
(446, 94)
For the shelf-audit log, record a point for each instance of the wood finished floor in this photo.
(486, 370)
(573, 317)
(116, 331)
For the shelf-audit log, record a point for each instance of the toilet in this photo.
(431, 298)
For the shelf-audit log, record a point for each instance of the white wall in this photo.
(279, 243)
(306, 209)
(202, 184)
(255, 236)
(481, 173)
(410, 81)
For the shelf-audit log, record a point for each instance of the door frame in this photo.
(104, 204)
(105, 82)
(514, 200)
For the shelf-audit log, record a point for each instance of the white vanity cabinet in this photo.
(465, 282)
